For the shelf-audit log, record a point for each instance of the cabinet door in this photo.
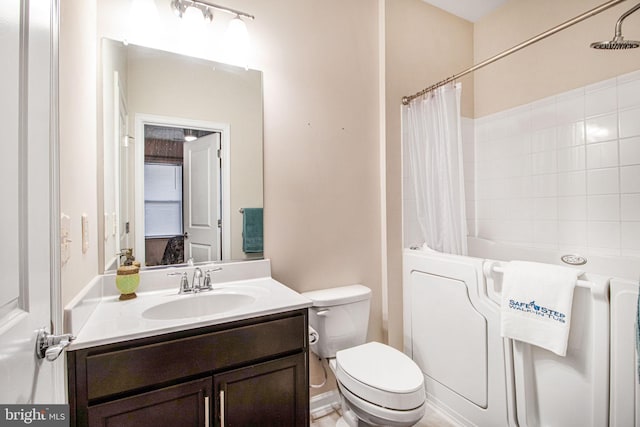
(272, 393)
(185, 404)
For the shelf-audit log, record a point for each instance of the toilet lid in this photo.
(382, 375)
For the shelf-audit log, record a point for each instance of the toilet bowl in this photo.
(379, 385)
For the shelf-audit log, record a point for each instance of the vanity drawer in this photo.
(114, 372)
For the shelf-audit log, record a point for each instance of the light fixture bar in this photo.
(223, 8)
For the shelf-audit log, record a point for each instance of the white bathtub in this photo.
(451, 324)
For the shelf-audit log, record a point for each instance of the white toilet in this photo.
(379, 385)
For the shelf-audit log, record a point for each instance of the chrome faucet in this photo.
(198, 284)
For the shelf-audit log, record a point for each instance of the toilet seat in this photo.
(381, 375)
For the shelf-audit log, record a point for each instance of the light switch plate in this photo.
(85, 233)
(65, 238)
(106, 226)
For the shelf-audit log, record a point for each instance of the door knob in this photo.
(49, 346)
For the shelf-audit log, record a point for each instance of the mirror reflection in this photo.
(182, 141)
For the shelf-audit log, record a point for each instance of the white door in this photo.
(201, 198)
(29, 197)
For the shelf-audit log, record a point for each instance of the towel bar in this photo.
(580, 283)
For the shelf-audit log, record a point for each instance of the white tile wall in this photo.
(562, 172)
(629, 151)
(630, 207)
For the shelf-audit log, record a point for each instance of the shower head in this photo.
(618, 41)
(616, 44)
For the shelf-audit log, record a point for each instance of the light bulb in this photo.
(193, 16)
(189, 135)
(237, 30)
(143, 21)
(237, 40)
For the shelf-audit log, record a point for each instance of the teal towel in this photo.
(252, 240)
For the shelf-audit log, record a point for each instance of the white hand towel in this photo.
(536, 304)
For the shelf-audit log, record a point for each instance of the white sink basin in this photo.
(199, 305)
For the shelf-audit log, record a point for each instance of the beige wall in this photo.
(424, 45)
(321, 87)
(322, 215)
(321, 134)
(557, 64)
(77, 109)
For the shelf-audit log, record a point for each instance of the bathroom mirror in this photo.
(182, 161)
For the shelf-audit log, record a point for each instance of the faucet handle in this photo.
(184, 282)
(207, 286)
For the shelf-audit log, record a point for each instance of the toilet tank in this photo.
(340, 316)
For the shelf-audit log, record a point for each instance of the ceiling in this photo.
(471, 10)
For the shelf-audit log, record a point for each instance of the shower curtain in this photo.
(431, 132)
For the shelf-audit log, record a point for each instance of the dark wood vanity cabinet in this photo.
(267, 394)
(185, 404)
(246, 373)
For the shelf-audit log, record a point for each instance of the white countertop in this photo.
(110, 320)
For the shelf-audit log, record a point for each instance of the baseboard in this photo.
(435, 405)
(323, 404)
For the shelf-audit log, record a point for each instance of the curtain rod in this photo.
(558, 28)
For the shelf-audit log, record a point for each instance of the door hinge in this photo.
(219, 223)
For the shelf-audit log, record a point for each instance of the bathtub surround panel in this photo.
(463, 361)
(581, 377)
(624, 373)
(563, 173)
(524, 382)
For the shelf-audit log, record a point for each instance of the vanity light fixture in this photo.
(180, 9)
